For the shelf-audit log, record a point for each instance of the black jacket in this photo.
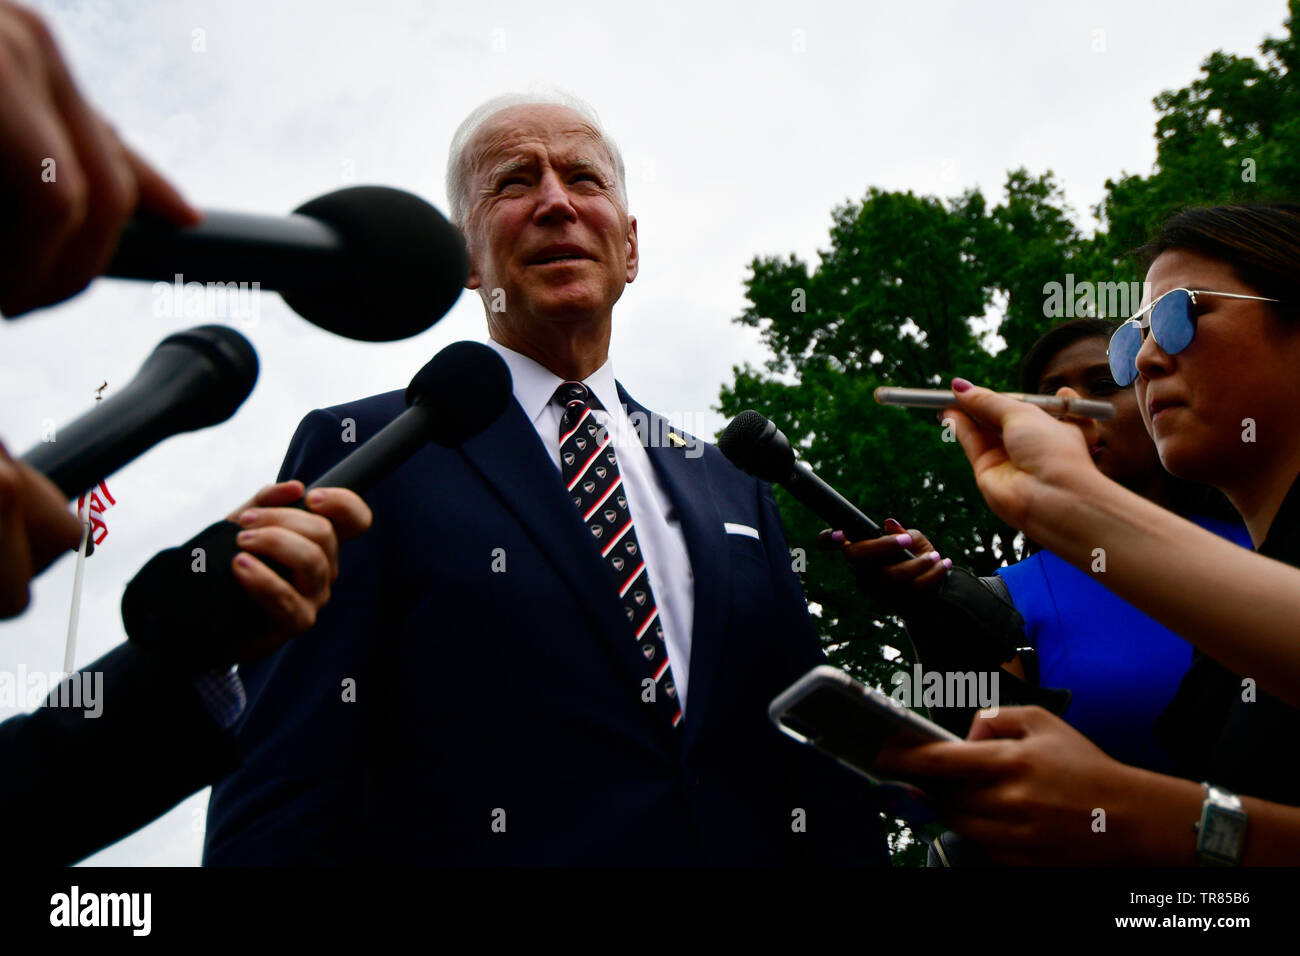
(1214, 734)
(73, 784)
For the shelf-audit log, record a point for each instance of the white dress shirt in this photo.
(658, 530)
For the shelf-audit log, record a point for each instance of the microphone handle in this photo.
(125, 425)
(960, 591)
(166, 596)
(282, 252)
(381, 453)
(831, 506)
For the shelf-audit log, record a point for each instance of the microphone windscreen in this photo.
(405, 265)
(235, 366)
(467, 386)
(756, 446)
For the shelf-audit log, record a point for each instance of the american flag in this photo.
(94, 511)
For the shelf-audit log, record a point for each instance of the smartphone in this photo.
(849, 722)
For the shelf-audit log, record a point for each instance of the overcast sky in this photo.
(742, 125)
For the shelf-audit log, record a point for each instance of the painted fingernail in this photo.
(316, 497)
(934, 557)
(245, 536)
(961, 385)
(249, 516)
(904, 540)
(244, 561)
(947, 563)
(837, 537)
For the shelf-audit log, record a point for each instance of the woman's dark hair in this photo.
(1261, 241)
(1053, 341)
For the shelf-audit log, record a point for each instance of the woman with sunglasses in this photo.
(1121, 667)
(1216, 374)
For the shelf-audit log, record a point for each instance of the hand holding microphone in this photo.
(991, 629)
(302, 539)
(35, 528)
(192, 379)
(367, 262)
(72, 182)
(203, 620)
(876, 566)
(979, 629)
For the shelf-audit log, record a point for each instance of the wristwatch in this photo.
(1221, 831)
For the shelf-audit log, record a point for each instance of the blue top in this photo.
(1122, 666)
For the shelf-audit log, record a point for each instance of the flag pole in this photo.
(70, 651)
(86, 546)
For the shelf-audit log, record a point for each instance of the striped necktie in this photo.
(589, 469)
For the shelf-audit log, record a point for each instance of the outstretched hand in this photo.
(1025, 461)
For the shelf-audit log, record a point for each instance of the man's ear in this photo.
(633, 249)
(473, 280)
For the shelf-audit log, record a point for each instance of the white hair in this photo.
(458, 160)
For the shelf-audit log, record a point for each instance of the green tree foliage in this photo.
(914, 289)
(1233, 134)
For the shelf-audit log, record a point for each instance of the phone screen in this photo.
(851, 723)
(832, 719)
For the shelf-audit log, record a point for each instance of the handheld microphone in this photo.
(459, 392)
(191, 380)
(194, 620)
(757, 447)
(367, 262)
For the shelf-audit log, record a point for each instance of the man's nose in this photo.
(553, 200)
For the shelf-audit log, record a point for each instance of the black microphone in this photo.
(757, 447)
(193, 619)
(191, 380)
(459, 392)
(366, 262)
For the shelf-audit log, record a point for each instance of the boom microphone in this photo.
(191, 380)
(366, 262)
(194, 619)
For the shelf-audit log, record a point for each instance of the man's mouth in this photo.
(1095, 450)
(552, 254)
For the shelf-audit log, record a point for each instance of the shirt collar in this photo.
(535, 384)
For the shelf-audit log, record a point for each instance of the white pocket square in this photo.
(732, 528)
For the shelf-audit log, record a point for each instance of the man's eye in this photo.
(511, 181)
(1103, 386)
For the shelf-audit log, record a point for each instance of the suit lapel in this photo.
(512, 460)
(688, 484)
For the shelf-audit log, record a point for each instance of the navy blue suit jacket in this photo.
(446, 712)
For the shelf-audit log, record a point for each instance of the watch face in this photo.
(1222, 833)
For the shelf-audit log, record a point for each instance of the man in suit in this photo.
(558, 642)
